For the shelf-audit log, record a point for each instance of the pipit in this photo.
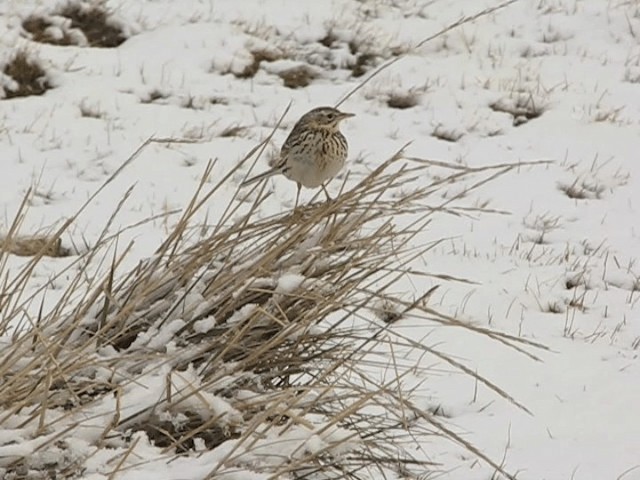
(314, 152)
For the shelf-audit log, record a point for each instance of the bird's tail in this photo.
(257, 178)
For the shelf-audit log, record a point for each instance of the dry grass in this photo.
(447, 134)
(34, 245)
(233, 131)
(362, 64)
(297, 77)
(582, 190)
(91, 18)
(28, 74)
(258, 56)
(522, 108)
(403, 100)
(154, 95)
(38, 28)
(261, 334)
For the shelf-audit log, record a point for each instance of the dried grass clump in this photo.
(154, 95)
(257, 57)
(367, 52)
(41, 29)
(76, 23)
(362, 64)
(447, 134)
(32, 245)
(297, 77)
(583, 189)
(403, 100)
(255, 348)
(233, 131)
(27, 75)
(522, 108)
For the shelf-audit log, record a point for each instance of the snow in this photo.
(555, 264)
(289, 282)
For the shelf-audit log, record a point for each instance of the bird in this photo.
(314, 152)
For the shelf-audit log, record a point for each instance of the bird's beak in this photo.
(346, 115)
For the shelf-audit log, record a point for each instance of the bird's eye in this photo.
(331, 115)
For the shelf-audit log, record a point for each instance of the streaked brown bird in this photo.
(314, 152)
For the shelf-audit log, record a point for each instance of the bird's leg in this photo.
(299, 187)
(324, 189)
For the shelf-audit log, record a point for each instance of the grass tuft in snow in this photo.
(26, 76)
(32, 245)
(297, 77)
(362, 64)
(155, 95)
(447, 134)
(257, 57)
(76, 23)
(522, 108)
(581, 190)
(233, 131)
(404, 100)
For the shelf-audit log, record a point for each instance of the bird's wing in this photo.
(288, 144)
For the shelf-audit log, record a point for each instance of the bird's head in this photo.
(325, 117)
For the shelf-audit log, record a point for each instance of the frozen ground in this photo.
(557, 263)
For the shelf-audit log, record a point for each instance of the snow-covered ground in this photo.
(556, 263)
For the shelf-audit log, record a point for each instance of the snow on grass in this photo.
(546, 253)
